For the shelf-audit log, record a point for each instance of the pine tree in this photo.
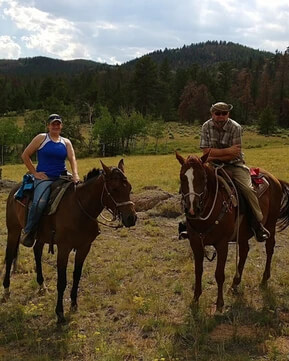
(146, 85)
(267, 121)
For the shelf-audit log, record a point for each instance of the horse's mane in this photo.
(92, 174)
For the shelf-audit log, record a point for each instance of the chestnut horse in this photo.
(73, 226)
(212, 219)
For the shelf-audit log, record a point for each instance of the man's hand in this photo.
(223, 154)
(235, 150)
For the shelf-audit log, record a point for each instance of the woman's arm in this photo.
(28, 151)
(72, 160)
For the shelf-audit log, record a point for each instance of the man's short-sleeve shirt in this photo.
(220, 138)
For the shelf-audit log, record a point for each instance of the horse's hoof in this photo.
(4, 299)
(61, 320)
(263, 285)
(219, 311)
(42, 290)
(6, 296)
(73, 308)
(234, 289)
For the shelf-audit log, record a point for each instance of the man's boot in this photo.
(260, 232)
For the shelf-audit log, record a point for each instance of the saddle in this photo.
(58, 189)
(24, 194)
(259, 182)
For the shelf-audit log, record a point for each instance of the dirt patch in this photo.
(281, 344)
(284, 317)
(224, 332)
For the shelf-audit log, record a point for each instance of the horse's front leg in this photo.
(270, 244)
(243, 253)
(199, 259)
(78, 264)
(38, 250)
(10, 257)
(222, 251)
(62, 259)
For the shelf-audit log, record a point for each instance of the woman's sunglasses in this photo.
(221, 113)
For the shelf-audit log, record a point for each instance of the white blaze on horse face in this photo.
(190, 176)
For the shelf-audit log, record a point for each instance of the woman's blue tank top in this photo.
(51, 157)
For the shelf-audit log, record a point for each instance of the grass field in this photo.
(136, 290)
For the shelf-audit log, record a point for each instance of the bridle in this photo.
(203, 194)
(115, 213)
(225, 208)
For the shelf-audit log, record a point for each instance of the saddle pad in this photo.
(54, 202)
(256, 176)
(260, 188)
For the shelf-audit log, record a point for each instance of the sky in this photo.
(116, 31)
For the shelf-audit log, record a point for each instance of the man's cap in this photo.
(221, 106)
(54, 118)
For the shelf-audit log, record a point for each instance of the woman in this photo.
(52, 150)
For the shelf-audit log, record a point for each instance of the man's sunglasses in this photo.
(221, 113)
(54, 117)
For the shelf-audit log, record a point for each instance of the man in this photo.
(222, 137)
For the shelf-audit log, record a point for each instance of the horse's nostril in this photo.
(130, 220)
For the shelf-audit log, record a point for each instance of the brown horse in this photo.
(73, 226)
(212, 219)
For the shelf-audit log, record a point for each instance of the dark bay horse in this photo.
(73, 226)
(212, 219)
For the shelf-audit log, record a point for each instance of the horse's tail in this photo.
(283, 219)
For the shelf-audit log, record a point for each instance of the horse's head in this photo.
(193, 184)
(116, 194)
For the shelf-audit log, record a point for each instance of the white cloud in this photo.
(8, 48)
(45, 33)
(117, 31)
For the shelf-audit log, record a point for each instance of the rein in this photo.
(117, 204)
(115, 216)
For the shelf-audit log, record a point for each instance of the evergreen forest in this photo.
(121, 104)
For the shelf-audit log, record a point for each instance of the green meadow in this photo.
(135, 296)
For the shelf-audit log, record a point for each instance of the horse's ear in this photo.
(105, 168)
(121, 165)
(180, 158)
(204, 157)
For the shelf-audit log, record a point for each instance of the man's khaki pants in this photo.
(241, 175)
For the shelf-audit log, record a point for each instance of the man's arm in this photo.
(225, 154)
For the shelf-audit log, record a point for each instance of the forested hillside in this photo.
(120, 104)
(207, 54)
(42, 66)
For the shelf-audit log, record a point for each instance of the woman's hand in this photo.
(40, 175)
(75, 178)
